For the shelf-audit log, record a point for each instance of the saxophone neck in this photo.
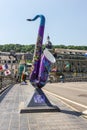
(38, 16)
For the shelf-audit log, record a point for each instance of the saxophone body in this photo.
(41, 61)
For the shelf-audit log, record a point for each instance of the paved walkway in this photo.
(11, 118)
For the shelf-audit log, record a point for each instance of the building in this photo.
(70, 63)
(13, 62)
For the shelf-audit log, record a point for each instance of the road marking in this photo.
(66, 99)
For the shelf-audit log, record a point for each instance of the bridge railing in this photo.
(76, 79)
(53, 77)
(5, 82)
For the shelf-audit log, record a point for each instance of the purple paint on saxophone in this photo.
(41, 64)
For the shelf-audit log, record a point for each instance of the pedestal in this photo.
(38, 102)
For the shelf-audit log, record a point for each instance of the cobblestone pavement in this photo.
(12, 119)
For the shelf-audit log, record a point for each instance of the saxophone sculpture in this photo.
(41, 62)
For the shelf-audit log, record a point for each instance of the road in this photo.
(72, 93)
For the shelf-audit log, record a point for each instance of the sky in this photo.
(66, 21)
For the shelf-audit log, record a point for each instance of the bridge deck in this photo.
(14, 98)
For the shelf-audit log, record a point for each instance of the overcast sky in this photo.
(66, 21)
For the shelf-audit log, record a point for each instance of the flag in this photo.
(5, 66)
(67, 66)
(7, 72)
(1, 68)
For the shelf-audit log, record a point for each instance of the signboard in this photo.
(39, 98)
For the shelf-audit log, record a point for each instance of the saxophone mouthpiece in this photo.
(29, 20)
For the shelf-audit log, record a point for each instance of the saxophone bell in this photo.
(45, 66)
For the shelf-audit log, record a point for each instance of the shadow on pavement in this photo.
(75, 113)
